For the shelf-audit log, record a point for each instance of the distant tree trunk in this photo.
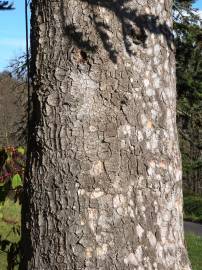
(190, 144)
(103, 187)
(12, 111)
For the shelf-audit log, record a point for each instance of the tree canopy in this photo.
(5, 5)
(188, 41)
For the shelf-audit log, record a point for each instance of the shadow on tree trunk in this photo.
(134, 28)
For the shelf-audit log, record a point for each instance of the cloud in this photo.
(12, 42)
(200, 13)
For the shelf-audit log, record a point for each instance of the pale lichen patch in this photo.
(154, 114)
(131, 259)
(152, 239)
(139, 253)
(98, 237)
(163, 164)
(136, 95)
(92, 216)
(140, 231)
(178, 175)
(118, 200)
(157, 49)
(97, 168)
(126, 130)
(81, 192)
(131, 202)
(48, 109)
(155, 265)
(150, 92)
(83, 86)
(166, 216)
(88, 252)
(117, 183)
(159, 251)
(120, 211)
(166, 65)
(103, 221)
(156, 83)
(149, 124)
(101, 251)
(140, 136)
(97, 193)
(92, 129)
(156, 206)
(156, 60)
(140, 268)
(163, 233)
(123, 143)
(82, 222)
(130, 212)
(143, 119)
(150, 171)
(146, 82)
(52, 99)
(149, 51)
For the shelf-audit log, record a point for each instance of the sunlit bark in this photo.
(103, 187)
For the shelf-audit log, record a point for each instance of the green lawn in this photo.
(194, 246)
(9, 229)
(193, 212)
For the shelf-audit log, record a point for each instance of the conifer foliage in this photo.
(5, 5)
(188, 40)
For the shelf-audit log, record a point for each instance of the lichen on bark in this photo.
(103, 181)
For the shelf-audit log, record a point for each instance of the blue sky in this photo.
(12, 32)
(198, 4)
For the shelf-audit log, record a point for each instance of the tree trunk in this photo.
(103, 186)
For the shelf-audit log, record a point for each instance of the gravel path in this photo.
(193, 227)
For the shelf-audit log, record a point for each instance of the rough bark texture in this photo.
(103, 186)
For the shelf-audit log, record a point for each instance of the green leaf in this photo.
(21, 150)
(16, 181)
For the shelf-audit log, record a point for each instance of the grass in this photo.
(9, 228)
(193, 212)
(193, 208)
(194, 247)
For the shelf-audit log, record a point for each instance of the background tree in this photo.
(103, 181)
(188, 40)
(5, 5)
(13, 111)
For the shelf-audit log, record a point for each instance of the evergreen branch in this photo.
(5, 5)
(198, 146)
(183, 113)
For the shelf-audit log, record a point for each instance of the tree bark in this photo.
(103, 182)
